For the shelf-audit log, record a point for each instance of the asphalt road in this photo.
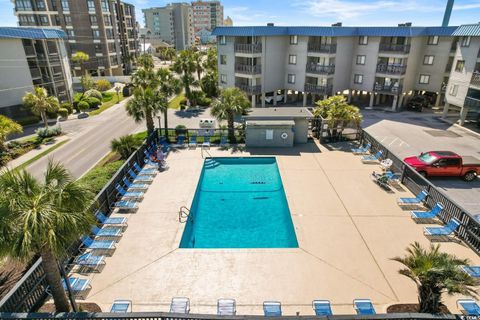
(410, 133)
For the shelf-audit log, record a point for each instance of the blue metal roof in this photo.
(31, 33)
(468, 30)
(334, 31)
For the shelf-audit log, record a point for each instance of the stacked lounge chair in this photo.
(180, 305)
(322, 307)
(226, 307)
(469, 307)
(363, 306)
(121, 306)
(272, 309)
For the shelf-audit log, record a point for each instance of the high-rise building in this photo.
(32, 57)
(207, 15)
(172, 24)
(104, 29)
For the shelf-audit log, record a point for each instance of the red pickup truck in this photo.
(445, 163)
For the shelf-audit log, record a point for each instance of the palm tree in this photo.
(145, 104)
(81, 57)
(232, 101)
(197, 57)
(145, 61)
(43, 218)
(169, 85)
(184, 66)
(169, 53)
(7, 127)
(40, 103)
(144, 78)
(434, 273)
(210, 63)
(125, 145)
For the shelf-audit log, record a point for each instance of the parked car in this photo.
(445, 164)
(269, 99)
(417, 103)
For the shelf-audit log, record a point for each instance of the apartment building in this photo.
(104, 29)
(207, 15)
(32, 57)
(463, 90)
(371, 65)
(172, 24)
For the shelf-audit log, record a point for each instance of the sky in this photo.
(320, 12)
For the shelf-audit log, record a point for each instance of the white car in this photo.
(207, 123)
(269, 99)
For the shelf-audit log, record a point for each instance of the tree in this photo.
(168, 86)
(184, 66)
(103, 85)
(209, 84)
(7, 127)
(145, 104)
(145, 61)
(435, 273)
(144, 78)
(197, 57)
(40, 103)
(125, 145)
(232, 101)
(43, 218)
(87, 82)
(169, 53)
(81, 57)
(210, 63)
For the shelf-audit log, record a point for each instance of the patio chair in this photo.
(223, 141)
(322, 307)
(373, 158)
(418, 200)
(145, 171)
(363, 306)
(226, 307)
(206, 142)
(124, 194)
(272, 309)
(115, 221)
(427, 215)
(106, 232)
(78, 285)
(473, 271)
(90, 262)
(181, 141)
(468, 307)
(139, 178)
(90, 244)
(126, 205)
(362, 150)
(134, 186)
(180, 305)
(121, 306)
(192, 142)
(442, 232)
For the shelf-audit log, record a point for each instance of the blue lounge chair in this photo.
(116, 221)
(180, 305)
(139, 178)
(206, 142)
(428, 215)
(107, 232)
(363, 306)
(88, 261)
(124, 194)
(373, 158)
(145, 171)
(78, 285)
(322, 307)
(418, 200)
(362, 150)
(468, 307)
(223, 141)
(272, 308)
(473, 271)
(126, 205)
(121, 306)
(226, 307)
(444, 231)
(181, 141)
(134, 186)
(88, 243)
(192, 142)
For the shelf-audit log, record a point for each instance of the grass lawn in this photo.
(175, 102)
(108, 102)
(40, 155)
(98, 176)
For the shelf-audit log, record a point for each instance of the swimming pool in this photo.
(239, 203)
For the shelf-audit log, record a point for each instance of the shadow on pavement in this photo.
(193, 113)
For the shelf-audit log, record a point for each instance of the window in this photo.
(40, 4)
(465, 41)
(44, 20)
(65, 6)
(292, 59)
(91, 5)
(453, 90)
(424, 79)
(93, 20)
(107, 20)
(363, 40)
(428, 60)
(56, 20)
(460, 65)
(291, 78)
(96, 34)
(23, 5)
(222, 40)
(223, 59)
(269, 134)
(293, 39)
(70, 33)
(68, 19)
(223, 78)
(358, 79)
(361, 59)
(98, 48)
(432, 40)
(105, 7)
(109, 33)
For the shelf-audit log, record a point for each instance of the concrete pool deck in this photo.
(347, 228)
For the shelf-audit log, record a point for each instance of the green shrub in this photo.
(93, 102)
(103, 85)
(83, 106)
(125, 145)
(25, 121)
(68, 106)
(107, 96)
(205, 102)
(77, 97)
(63, 112)
(92, 93)
(180, 129)
(48, 132)
(98, 177)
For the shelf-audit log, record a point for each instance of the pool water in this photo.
(239, 203)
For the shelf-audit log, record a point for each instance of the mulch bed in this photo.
(412, 308)
(82, 306)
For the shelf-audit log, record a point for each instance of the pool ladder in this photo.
(183, 214)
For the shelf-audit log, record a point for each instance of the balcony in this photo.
(391, 69)
(36, 74)
(29, 51)
(322, 48)
(250, 90)
(248, 47)
(475, 79)
(313, 88)
(472, 103)
(248, 69)
(391, 89)
(396, 48)
(319, 69)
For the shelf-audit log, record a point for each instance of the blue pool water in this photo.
(239, 203)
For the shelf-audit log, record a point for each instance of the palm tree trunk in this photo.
(44, 119)
(231, 130)
(54, 280)
(165, 123)
(199, 74)
(186, 84)
(429, 300)
(149, 121)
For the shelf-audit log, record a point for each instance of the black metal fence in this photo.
(214, 135)
(327, 131)
(469, 229)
